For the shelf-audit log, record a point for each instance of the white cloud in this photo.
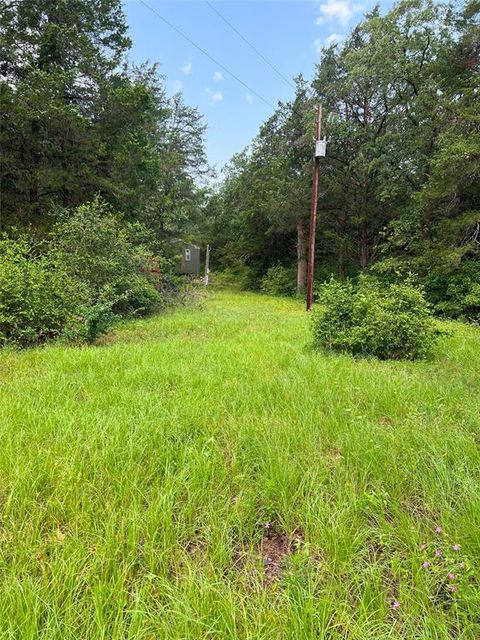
(334, 38)
(248, 98)
(215, 96)
(177, 86)
(217, 76)
(187, 69)
(341, 10)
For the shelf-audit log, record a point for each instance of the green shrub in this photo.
(450, 280)
(370, 319)
(279, 281)
(455, 289)
(97, 320)
(98, 250)
(236, 276)
(39, 298)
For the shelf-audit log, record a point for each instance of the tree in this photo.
(77, 121)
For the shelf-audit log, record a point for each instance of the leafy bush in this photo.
(236, 276)
(370, 319)
(450, 280)
(98, 250)
(39, 298)
(455, 290)
(93, 270)
(279, 281)
(97, 320)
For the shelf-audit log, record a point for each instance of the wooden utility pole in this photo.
(207, 264)
(313, 208)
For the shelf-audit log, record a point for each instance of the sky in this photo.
(289, 33)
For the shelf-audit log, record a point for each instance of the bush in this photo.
(99, 251)
(450, 280)
(39, 298)
(455, 291)
(279, 281)
(370, 319)
(97, 320)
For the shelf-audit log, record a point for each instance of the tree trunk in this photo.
(341, 234)
(363, 245)
(363, 235)
(301, 257)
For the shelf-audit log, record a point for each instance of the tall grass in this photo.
(138, 478)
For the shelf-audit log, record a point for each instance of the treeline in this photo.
(400, 184)
(94, 154)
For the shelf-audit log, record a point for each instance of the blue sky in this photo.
(289, 33)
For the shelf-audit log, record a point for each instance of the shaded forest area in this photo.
(399, 186)
(77, 121)
(101, 173)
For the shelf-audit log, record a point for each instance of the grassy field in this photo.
(205, 474)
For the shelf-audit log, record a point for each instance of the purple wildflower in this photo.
(456, 547)
(438, 530)
(425, 565)
(268, 525)
(395, 604)
(451, 576)
(438, 553)
(423, 547)
(452, 588)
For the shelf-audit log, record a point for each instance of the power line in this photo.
(205, 53)
(259, 53)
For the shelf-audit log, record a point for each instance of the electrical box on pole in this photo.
(319, 152)
(320, 148)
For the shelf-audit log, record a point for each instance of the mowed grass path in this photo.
(145, 481)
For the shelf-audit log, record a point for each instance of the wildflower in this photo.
(268, 525)
(462, 565)
(438, 553)
(423, 547)
(395, 604)
(451, 576)
(452, 588)
(456, 547)
(425, 565)
(438, 530)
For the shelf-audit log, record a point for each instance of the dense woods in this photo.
(400, 185)
(90, 139)
(79, 121)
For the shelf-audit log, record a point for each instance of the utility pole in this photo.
(318, 152)
(207, 264)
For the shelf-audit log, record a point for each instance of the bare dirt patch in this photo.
(272, 553)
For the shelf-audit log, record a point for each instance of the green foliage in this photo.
(371, 319)
(39, 297)
(97, 320)
(77, 119)
(450, 280)
(236, 276)
(93, 270)
(278, 281)
(401, 177)
(98, 251)
(455, 289)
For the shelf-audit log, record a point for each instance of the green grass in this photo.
(136, 478)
